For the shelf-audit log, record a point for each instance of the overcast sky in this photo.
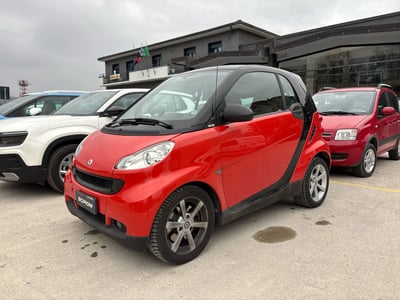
(54, 44)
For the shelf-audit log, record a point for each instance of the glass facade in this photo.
(349, 66)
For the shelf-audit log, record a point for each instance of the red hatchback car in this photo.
(203, 148)
(360, 123)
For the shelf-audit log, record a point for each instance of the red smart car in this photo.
(203, 148)
(359, 124)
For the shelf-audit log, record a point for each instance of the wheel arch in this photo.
(326, 157)
(372, 140)
(211, 192)
(67, 140)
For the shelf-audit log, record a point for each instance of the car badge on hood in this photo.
(90, 161)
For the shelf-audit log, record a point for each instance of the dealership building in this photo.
(358, 53)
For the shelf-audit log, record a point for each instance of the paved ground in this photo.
(349, 248)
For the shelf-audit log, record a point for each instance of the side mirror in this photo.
(34, 111)
(113, 111)
(387, 110)
(237, 113)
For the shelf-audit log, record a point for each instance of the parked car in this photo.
(359, 124)
(162, 178)
(4, 101)
(32, 104)
(39, 149)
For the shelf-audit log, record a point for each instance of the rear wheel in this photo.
(368, 162)
(394, 154)
(182, 226)
(315, 184)
(59, 164)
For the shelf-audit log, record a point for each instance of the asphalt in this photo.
(348, 248)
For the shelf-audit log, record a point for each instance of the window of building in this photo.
(259, 91)
(349, 66)
(156, 60)
(129, 66)
(215, 47)
(115, 69)
(190, 52)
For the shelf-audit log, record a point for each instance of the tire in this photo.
(58, 166)
(182, 226)
(394, 154)
(315, 184)
(368, 162)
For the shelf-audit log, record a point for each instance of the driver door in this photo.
(256, 154)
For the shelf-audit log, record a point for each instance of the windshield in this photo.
(352, 102)
(11, 105)
(179, 98)
(87, 104)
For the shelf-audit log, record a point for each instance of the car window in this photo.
(392, 101)
(25, 109)
(48, 104)
(354, 102)
(87, 104)
(257, 90)
(13, 104)
(127, 100)
(288, 92)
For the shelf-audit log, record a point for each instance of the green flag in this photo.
(144, 51)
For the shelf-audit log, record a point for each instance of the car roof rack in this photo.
(381, 85)
(325, 88)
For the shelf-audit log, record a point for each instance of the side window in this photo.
(381, 104)
(392, 101)
(52, 103)
(259, 91)
(288, 92)
(24, 110)
(384, 100)
(126, 100)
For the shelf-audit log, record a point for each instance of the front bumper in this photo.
(114, 230)
(122, 215)
(14, 169)
(346, 153)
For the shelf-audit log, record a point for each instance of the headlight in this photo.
(8, 139)
(346, 135)
(145, 158)
(79, 148)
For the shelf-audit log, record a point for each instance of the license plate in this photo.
(87, 202)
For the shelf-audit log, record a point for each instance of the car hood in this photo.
(48, 122)
(103, 157)
(330, 123)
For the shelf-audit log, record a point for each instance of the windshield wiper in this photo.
(336, 112)
(141, 121)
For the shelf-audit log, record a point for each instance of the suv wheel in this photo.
(394, 154)
(182, 226)
(368, 162)
(315, 184)
(59, 164)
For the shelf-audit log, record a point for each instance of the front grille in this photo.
(99, 184)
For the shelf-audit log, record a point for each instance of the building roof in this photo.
(237, 25)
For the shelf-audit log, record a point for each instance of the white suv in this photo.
(40, 149)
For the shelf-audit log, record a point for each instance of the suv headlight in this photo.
(346, 135)
(8, 139)
(146, 157)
